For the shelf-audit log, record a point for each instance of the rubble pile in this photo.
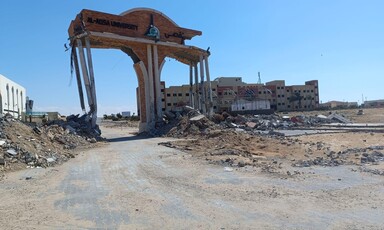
(274, 121)
(41, 146)
(188, 122)
(369, 155)
(191, 122)
(78, 126)
(251, 141)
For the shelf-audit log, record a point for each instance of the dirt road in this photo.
(133, 183)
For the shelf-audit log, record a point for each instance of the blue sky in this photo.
(338, 42)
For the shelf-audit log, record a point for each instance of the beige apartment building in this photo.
(227, 91)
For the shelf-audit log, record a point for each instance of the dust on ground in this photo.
(255, 142)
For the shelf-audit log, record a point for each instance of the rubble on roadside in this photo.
(191, 122)
(254, 141)
(45, 145)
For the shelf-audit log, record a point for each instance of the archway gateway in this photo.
(148, 37)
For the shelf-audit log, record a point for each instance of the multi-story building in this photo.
(374, 104)
(229, 90)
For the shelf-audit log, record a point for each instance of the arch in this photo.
(147, 36)
(147, 9)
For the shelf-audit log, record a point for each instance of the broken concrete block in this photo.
(339, 118)
(251, 124)
(2, 161)
(50, 160)
(197, 118)
(37, 130)
(2, 142)
(11, 152)
(70, 129)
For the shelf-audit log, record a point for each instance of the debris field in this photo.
(259, 142)
(30, 145)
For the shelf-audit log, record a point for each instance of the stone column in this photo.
(159, 112)
(197, 93)
(191, 86)
(202, 86)
(210, 100)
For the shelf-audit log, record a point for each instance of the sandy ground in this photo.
(134, 183)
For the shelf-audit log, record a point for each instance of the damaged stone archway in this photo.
(148, 37)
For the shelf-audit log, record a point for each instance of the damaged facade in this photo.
(228, 92)
(147, 36)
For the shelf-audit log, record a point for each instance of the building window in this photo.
(278, 87)
(213, 89)
(259, 92)
(282, 87)
(187, 94)
(220, 93)
(278, 103)
(287, 90)
(311, 90)
(169, 104)
(283, 103)
(278, 95)
(162, 90)
(174, 103)
(174, 94)
(289, 106)
(214, 107)
(168, 94)
(180, 94)
(162, 99)
(283, 95)
(163, 109)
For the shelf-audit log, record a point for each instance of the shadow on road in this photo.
(130, 138)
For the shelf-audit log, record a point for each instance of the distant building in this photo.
(126, 113)
(228, 91)
(339, 105)
(12, 98)
(374, 104)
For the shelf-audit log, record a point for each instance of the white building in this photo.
(243, 105)
(12, 98)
